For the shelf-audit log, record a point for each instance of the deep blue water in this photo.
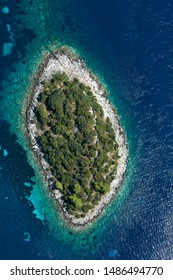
(128, 44)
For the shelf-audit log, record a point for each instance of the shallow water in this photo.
(128, 44)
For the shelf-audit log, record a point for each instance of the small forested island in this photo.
(76, 135)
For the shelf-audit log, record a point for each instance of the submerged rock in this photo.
(5, 10)
(7, 49)
(5, 153)
(27, 236)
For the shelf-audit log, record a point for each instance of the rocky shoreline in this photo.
(64, 60)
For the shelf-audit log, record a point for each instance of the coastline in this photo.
(64, 60)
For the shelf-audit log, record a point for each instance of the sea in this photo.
(128, 45)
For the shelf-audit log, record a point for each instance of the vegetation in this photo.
(78, 143)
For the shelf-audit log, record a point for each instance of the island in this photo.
(76, 135)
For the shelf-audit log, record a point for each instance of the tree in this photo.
(77, 189)
(76, 141)
(105, 188)
(85, 208)
(76, 201)
(55, 103)
(81, 121)
(101, 187)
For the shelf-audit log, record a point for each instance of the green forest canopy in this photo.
(77, 142)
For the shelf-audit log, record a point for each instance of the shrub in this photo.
(59, 186)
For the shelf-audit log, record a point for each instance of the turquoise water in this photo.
(116, 41)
